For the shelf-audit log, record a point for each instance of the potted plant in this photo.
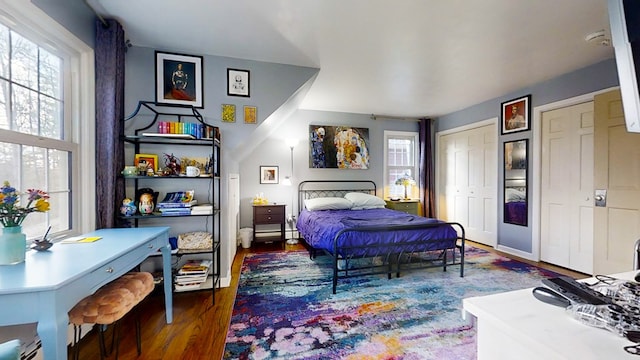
(13, 243)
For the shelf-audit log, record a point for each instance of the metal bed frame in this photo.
(380, 258)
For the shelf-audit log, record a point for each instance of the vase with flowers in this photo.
(405, 181)
(13, 243)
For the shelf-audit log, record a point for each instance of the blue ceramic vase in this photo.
(13, 245)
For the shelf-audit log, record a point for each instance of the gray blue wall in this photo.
(597, 77)
(273, 84)
(74, 15)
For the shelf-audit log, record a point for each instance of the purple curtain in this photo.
(427, 171)
(109, 63)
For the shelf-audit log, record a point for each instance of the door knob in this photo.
(600, 197)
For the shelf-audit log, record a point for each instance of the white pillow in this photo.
(514, 195)
(327, 203)
(362, 201)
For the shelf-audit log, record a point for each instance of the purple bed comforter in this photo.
(319, 229)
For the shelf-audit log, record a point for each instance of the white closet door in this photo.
(468, 181)
(566, 216)
(617, 170)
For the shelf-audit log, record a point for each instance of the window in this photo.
(400, 160)
(40, 144)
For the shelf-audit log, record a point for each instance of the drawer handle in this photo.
(269, 218)
(109, 270)
(269, 210)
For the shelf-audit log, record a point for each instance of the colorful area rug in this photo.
(284, 308)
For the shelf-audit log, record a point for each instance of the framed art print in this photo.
(179, 80)
(269, 174)
(238, 82)
(250, 113)
(516, 114)
(338, 147)
(149, 161)
(228, 113)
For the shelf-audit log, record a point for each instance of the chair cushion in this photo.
(112, 301)
(139, 283)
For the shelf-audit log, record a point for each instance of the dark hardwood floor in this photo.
(199, 327)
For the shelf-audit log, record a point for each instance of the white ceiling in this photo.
(407, 58)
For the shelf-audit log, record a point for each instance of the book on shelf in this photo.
(178, 199)
(187, 287)
(189, 279)
(194, 267)
(204, 209)
(175, 211)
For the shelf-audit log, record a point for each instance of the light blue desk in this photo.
(48, 284)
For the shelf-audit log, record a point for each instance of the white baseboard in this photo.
(516, 252)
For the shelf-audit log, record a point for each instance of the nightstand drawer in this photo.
(265, 210)
(410, 207)
(269, 219)
(404, 206)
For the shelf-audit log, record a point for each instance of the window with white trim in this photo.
(39, 139)
(400, 160)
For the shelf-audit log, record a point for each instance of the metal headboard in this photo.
(312, 189)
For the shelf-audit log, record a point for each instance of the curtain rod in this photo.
(102, 20)
(390, 117)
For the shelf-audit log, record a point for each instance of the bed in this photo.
(345, 220)
(515, 206)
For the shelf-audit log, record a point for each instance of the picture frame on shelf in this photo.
(269, 174)
(228, 113)
(151, 161)
(238, 82)
(250, 114)
(516, 114)
(179, 79)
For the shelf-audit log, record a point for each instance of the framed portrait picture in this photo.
(148, 160)
(238, 82)
(179, 80)
(228, 113)
(269, 174)
(250, 114)
(516, 114)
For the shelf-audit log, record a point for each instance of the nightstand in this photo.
(265, 221)
(409, 206)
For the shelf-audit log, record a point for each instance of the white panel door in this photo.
(617, 170)
(566, 215)
(468, 181)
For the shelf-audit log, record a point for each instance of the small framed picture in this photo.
(516, 114)
(179, 80)
(250, 114)
(238, 82)
(148, 161)
(269, 175)
(228, 113)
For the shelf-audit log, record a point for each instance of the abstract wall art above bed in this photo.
(338, 147)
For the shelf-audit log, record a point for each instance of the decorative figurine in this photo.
(172, 165)
(146, 198)
(128, 208)
(42, 244)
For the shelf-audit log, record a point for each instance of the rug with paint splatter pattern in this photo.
(285, 309)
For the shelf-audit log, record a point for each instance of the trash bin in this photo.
(245, 237)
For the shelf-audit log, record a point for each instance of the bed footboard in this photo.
(391, 250)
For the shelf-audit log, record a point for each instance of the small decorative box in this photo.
(196, 240)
